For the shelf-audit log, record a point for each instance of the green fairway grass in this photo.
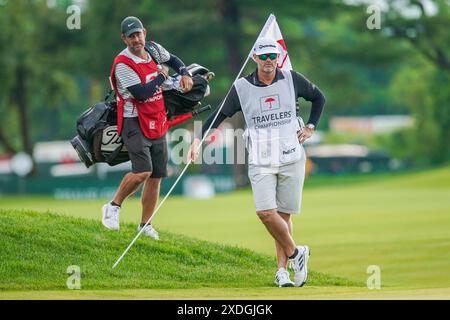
(399, 223)
(304, 293)
(38, 248)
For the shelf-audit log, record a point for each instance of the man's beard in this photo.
(268, 68)
(137, 48)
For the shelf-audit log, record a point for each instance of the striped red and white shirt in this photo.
(126, 77)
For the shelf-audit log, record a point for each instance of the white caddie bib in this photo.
(270, 116)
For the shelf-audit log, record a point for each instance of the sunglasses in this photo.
(271, 56)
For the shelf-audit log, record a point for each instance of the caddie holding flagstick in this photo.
(267, 98)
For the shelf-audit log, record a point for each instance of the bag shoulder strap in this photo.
(153, 50)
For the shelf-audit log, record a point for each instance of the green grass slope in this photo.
(37, 249)
(399, 223)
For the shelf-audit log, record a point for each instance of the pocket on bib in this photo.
(289, 149)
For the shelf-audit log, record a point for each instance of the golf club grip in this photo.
(202, 109)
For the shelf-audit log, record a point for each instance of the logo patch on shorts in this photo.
(269, 103)
(152, 125)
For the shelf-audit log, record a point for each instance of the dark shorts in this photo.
(146, 155)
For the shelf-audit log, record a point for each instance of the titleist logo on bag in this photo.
(111, 139)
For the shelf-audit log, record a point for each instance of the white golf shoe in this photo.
(282, 279)
(300, 265)
(110, 216)
(149, 231)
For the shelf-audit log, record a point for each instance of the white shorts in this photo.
(278, 187)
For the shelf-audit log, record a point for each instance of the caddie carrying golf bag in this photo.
(97, 139)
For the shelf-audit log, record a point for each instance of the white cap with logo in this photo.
(265, 45)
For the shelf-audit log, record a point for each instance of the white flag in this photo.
(272, 31)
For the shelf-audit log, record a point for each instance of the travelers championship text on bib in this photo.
(270, 115)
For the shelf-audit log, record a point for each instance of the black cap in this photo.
(130, 25)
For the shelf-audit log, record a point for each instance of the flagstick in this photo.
(266, 25)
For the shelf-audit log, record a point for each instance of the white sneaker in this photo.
(149, 231)
(300, 265)
(110, 217)
(282, 279)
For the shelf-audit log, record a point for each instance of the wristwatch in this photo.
(311, 126)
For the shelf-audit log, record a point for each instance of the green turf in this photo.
(38, 248)
(307, 292)
(399, 223)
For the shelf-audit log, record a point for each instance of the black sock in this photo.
(114, 204)
(295, 253)
(143, 224)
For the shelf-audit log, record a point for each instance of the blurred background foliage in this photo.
(49, 74)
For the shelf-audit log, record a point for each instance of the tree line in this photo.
(50, 74)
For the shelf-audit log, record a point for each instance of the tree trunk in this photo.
(20, 95)
(231, 20)
(21, 99)
(232, 31)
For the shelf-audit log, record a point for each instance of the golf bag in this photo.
(97, 139)
(179, 103)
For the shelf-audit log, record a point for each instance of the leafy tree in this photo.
(420, 86)
(34, 80)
